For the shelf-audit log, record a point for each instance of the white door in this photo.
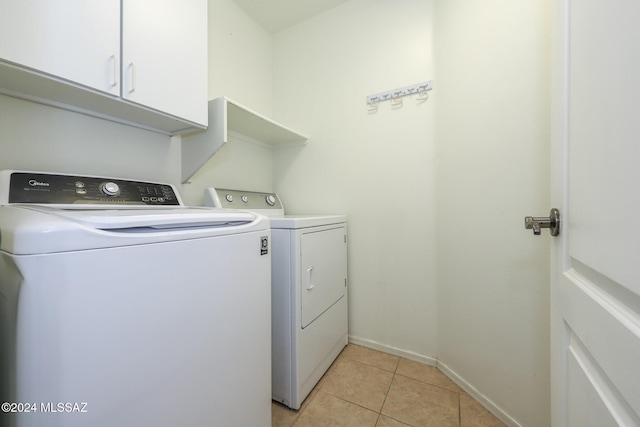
(595, 335)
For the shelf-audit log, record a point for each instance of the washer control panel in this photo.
(44, 188)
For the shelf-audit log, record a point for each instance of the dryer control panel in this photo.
(242, 199)
(45, 188)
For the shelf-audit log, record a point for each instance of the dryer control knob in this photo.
(110, 188)
(271, 200)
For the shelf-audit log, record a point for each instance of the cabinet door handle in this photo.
(132, 68)
(114, 70)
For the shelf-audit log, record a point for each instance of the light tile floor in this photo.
(369, 388)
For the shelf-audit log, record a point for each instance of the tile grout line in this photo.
(395, 370)
(379, 412)
(430, 384)
(385, 395)
(459, 410)
(395, 373)
(348, 401)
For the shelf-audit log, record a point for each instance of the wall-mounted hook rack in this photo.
(395, 94)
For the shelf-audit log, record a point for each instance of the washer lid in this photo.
(33, 229)
(161, 219)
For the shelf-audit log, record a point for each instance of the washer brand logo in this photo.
(36, 183)
(264, 245)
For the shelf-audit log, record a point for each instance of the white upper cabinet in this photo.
(164, 58)
(76, 40)
(138, 62)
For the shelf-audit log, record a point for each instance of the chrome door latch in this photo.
(536, 223)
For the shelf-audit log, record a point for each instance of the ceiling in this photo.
(276, 15)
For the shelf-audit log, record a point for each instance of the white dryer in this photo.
(120, 307)
(309, 291)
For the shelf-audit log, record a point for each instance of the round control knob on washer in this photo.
(270, 199)
(110, 188)
(245, 199)
(229, 198)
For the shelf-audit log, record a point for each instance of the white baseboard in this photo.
(488, 404)
(393, 350)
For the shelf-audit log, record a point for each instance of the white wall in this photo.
(379, 169)
(240, 57)
(240, 68)
(41, 138)
(493, 166)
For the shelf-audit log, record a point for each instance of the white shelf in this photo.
(227, 116)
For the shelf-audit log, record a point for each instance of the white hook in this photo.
(423, 95)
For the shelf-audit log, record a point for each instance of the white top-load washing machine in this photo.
(121, 307)
(309, 290)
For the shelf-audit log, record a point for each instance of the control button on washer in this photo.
(110, 188)
(229, 198)
(245, 199)
(270, 199)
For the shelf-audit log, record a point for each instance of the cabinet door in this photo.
(164, 63)
(76, 40)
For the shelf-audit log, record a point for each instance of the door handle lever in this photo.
(537, 223)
